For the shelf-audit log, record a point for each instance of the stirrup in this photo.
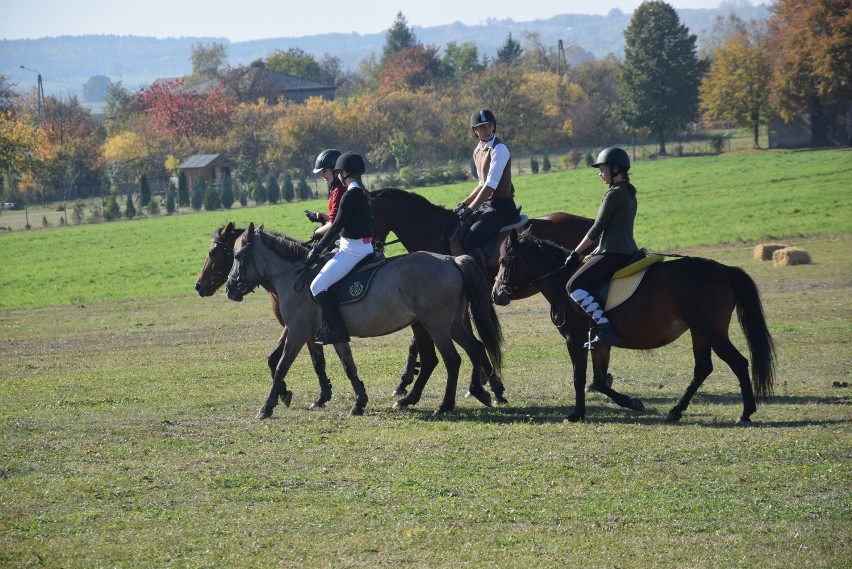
(326, 336)
(606, 336)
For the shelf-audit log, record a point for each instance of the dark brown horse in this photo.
(421, 225)
(213, 275)
(688, 293)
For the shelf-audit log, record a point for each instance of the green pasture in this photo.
(128, 402)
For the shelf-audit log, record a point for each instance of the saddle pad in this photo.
(622, 288)
(353, 287)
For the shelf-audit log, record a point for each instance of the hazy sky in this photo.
(240, 20)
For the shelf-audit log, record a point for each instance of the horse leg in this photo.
(600, 364)
(272, 361)
(738, 363)
(579, 364)
(494, 381)
(452, 361)
(412, 368)
(344, 352)
(703, 368)
(602, 381)
(476, 352)
(429, 361)
(318, 360)
(279, 386)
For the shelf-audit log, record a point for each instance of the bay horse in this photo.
(420, 225)
(214, 273)
(400, 295)
(688, 293)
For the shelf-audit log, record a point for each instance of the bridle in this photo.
(240, 284)
(507, 263)
(222, 270)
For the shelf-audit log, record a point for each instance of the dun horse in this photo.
(421, 225)
(689, 293)
(436, 291)
(213, 275)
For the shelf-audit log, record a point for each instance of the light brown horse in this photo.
(214, 273)
(435, 290)
(688, 293)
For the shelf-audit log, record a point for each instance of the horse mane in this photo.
(543, 245)
(403, 196)
(285, 247)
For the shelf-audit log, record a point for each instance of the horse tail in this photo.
(482, 310)
(752, 321)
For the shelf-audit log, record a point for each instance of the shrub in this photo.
(273, 190)
(44, 221)
(303, 189)
(545, 164)
(183, 190)
(153, 207)
(534, 165)
(78, 213)
(111, 210)
(170, 199)
(227, 192)
(129, 208)
(199, 188)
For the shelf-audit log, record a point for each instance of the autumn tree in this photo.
(411, 68)
(595, 117)
(736, 89)
(661, 71)
(460, 61)
(812, 47)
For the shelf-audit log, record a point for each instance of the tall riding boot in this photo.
(479, 256)
(607, 334)
(333, 330)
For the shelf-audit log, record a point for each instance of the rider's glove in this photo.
(313, 255)
(573, 258)
(463, 211)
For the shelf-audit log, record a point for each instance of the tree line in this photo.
(406, 109)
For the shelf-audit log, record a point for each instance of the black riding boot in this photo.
(479, 256)
(333, 330)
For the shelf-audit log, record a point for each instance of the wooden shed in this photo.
(209, 167)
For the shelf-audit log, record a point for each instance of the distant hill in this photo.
(67, 62)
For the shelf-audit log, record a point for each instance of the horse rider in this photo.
(491, 205)
(613, 231)
(354, 224)
(324, 166)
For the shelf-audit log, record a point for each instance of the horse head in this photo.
(526, 260)
(219, 259)
(506, 280)
(238, 281)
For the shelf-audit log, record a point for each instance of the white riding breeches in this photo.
(351, 251)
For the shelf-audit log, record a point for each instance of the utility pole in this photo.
(561, 64)
(40, 109)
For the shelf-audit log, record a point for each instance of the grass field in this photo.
(129, 439)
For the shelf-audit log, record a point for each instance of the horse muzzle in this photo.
(499, 296)
(235, 291)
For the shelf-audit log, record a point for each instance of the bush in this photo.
(212, 198)
(545, 164)
(183, 190)
(78, 213)
(198, 190)
(44, 221)
(273, 190)
(111, 210)
(129, 208)
(259, 192)
(534, 165)
(303, 189)
(717, 143)
(243, 198)
(153, 207)
(227, 192)
(170, 199)
(95, 214)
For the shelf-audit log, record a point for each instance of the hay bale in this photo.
(764, 251)
(789, 256)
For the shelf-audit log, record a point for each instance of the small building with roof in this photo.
(207, 167)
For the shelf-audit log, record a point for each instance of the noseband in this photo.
(504, 277)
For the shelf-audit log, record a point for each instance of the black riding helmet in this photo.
(326, 159)
(351, 162)
(613, 155)
(483, 116)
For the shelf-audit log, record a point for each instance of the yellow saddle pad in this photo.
(626, 280)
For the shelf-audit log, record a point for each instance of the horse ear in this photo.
(230, 227)
(513, 235)
(251, 228)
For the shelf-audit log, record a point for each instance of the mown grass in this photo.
(683, 203)
(129, 439)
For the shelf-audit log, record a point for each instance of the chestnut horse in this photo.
(420, 225)
(435, 290)
(689, 293)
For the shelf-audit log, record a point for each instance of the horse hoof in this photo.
(500, 399)
(263, 414)
(590, 388)
(673, 417)
(637, 405)
(317, 404)
(482, 396)
(286, 398)
(399, 392)
(356, 411)
(743, 421)
(441, 411)
(573, 418)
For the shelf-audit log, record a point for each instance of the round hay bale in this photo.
(789, 256)
(764, 251)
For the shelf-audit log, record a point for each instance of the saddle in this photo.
(354, 286)
(626, 280)
(491, 247)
